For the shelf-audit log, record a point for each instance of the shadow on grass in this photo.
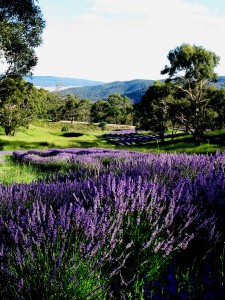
(21, 145)
(210, 144)
(218, 139)
(178, 145)
(72, 134)
(86, 144)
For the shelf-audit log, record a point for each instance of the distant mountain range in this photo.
(61, 82)
(134, 89)
(95, 90)
(220, 82)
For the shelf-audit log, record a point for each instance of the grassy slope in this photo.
(44, 136)
(49, 135)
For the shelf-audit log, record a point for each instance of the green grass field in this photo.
(49, 135)
(44, 135)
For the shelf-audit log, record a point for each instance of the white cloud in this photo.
(146, 7)
(127, 39)
(91, 20)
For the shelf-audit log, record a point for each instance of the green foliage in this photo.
(55, 105)
(103, 125)
(21, 26)
(56, 271)
(20, 104)
(65, 128)
(120, 110)
(83, 110)
(217, 104)
(99, 111)
(152, 113)
(197, 63)
(115, 110)
(69, 107)
(191, 67)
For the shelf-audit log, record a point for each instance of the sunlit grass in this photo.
(184, 144)
(45, 135)
(49, 136)
(11, 172)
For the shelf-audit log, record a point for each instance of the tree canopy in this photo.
(191, 68)
(21, 27)
(20, 104)
(152, 112)
(191, 64)
(116, 109)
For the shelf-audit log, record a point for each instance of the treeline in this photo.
(185, 99)
(21, 104)
(116, 109)
(164, 106)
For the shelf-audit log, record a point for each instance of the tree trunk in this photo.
(162, 137)
(9, 131)
(198, 135)
(197, 142)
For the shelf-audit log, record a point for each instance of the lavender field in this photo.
(118, 225)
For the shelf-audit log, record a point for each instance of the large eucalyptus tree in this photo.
(21, 27)
(191, 68)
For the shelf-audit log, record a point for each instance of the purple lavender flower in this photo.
(124, 207)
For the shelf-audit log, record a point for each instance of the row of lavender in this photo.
(134, 138)
(97, 232)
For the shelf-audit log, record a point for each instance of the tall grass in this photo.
(11, 171)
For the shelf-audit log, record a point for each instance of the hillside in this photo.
(95, 90)
(134, 89)
(220, 83)
(52, 81)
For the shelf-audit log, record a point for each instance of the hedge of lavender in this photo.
(112, 228)
(131, 137)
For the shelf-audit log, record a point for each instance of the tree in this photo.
(152, 112)
(99, 111)
(103, 125)
(177, 108)
(120, 110)
(21, 26)
(70, 110)
(55, 106)
(217, 103)
(20, 104)
(83, 110)
(191, 68)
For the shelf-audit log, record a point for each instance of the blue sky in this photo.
(109, 40)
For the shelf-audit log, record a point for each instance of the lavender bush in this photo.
(132, 137)
(110, 230)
